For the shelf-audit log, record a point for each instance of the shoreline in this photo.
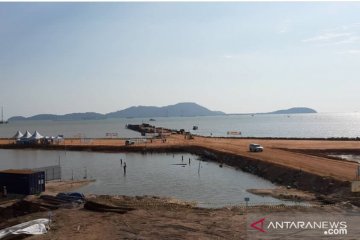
(284, 193)
(55, 186)
(4, 140)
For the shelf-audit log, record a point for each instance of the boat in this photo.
(195, 127)
(152, 120)
(2, 117)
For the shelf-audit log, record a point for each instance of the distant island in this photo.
(294, 110)
(186, 109)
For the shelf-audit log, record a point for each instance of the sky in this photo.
(234, 57)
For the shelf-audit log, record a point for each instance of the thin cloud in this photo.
(350, 51)
(233, 56)
(285, 27)
(327, 37)
(345, 34)
(351, 39)
(350, 26)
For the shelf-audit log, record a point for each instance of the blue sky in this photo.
(234, 57)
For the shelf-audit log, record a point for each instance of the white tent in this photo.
(36, 136)
(18, 135)
(27, 135)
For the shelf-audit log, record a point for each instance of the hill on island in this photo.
(177, 110)
(186, 109)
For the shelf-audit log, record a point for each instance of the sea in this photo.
(319, 125)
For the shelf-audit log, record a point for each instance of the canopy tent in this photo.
(27, 135)
(18, 135)
(36, 136)
(58, 139)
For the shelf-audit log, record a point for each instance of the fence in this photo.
(51, 172)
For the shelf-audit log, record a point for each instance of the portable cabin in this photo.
(22, 181)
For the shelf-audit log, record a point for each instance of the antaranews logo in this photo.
(259, 225)
(327, 227)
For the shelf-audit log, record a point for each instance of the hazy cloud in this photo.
(284, 28)
(344, 34)
(232, 56)
(350, 51)
(350, 26)
(327, 37)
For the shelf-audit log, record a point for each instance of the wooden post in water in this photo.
(59, 168)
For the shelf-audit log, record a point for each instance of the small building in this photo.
(22, 181)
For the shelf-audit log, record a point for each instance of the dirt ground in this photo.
(149, 217)
(155, 218)
(54, 187)
(275, 151)
(145, 222)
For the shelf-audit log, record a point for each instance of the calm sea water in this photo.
(295, 125)
(149, 174)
